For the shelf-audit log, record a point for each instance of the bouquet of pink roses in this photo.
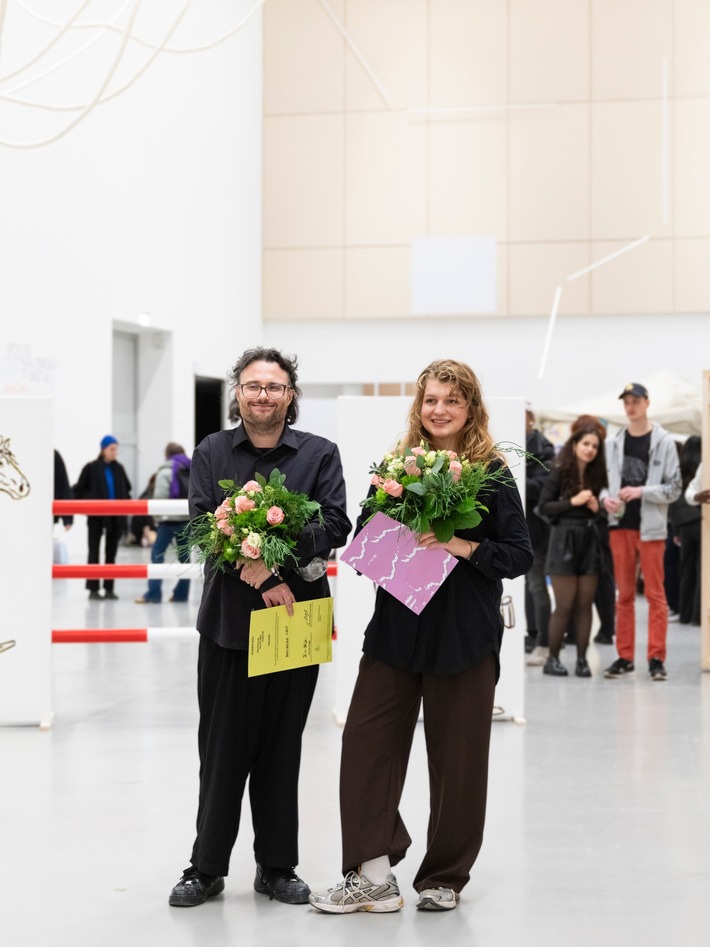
(261, 520)
(431, 490)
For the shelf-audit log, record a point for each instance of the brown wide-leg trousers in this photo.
(377, 740)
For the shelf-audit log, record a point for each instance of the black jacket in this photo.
(312, 466)
(461, 624)
(535, 476)
(92, 486)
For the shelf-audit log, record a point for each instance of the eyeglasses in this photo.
(253, 390)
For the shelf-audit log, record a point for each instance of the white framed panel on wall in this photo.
(367, 427)
(26, 490)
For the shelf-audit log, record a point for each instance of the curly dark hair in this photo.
(289, 364)
(594, 477)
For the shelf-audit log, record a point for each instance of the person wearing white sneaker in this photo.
(446, 658)
(438, 899)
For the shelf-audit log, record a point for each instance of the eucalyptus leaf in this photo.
(260, 479)
(417, 488)
(227, 485)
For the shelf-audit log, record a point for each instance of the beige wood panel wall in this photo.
(350, 177)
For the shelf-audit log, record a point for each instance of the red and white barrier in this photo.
(121, 507)
(153, 570)
(113, 635)
(168, 570)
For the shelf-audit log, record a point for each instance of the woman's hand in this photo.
(593, 504)
(254, 573)
(582, 498)
(463, 548)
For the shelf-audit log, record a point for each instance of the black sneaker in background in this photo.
(657, 670)
(620, 668)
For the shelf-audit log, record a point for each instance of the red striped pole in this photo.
(140, 571)
(117, 635)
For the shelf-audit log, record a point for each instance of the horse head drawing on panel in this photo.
(12, 480)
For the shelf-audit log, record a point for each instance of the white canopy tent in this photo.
(675, 403)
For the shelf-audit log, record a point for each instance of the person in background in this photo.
(571, 496)
(644, 479)
(686, 516)
(171, 483)
(447, 660)
(671, 554)
(605, 597)
(542, 453)
(104, 479)
(62, 488)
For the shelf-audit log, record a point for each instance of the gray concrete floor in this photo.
(598, 829)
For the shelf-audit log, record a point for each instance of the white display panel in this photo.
(367, 427)
(26, 489)
(453, 275)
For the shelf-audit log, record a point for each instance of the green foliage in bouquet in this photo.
(432, 490)
(260, 520)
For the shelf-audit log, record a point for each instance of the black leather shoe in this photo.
(194, 888)
(554, 667)
(281, 884)
(582, 668)
(599, 638)
(95, 597)
(111, 595)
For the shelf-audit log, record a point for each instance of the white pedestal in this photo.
(26, 490)
(367, 427)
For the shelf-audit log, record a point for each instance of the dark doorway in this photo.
(209, 393)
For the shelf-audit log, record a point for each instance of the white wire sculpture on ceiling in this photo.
(26, 76)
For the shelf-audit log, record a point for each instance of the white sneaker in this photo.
(357, 893)
(673, 616)
(437, 899)
(537, 657)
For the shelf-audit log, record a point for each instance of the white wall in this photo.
(588, 353)
(151, 205)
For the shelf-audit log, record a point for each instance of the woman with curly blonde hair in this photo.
(445, 659)
(474, 439)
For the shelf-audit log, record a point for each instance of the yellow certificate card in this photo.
(280, 642)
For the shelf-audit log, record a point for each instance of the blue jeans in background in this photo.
(168, 531)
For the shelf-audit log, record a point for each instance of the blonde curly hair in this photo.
(475, 442)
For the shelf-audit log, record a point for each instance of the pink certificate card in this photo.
(387, 552)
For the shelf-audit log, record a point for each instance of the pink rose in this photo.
(410, 467)
(418, 451)
(223, 510)
(392, 487)
(455, 469)
(376, 480)
(224, 526)
(274, 515)
(249, 551)
(243, 504)
(251, 486)
(452, 455)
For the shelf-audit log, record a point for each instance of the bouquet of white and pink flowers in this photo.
(260, 520)
(431, 490)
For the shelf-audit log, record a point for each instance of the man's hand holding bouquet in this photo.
(255, 529)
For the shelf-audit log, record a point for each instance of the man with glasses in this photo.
(252, 727)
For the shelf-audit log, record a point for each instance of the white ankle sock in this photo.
(376, 870)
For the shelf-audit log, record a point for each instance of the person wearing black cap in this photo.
(644, 479)
(104, 479)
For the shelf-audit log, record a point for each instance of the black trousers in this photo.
(97, 525)
(690, 572)
(458, 710)
(249, 727)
